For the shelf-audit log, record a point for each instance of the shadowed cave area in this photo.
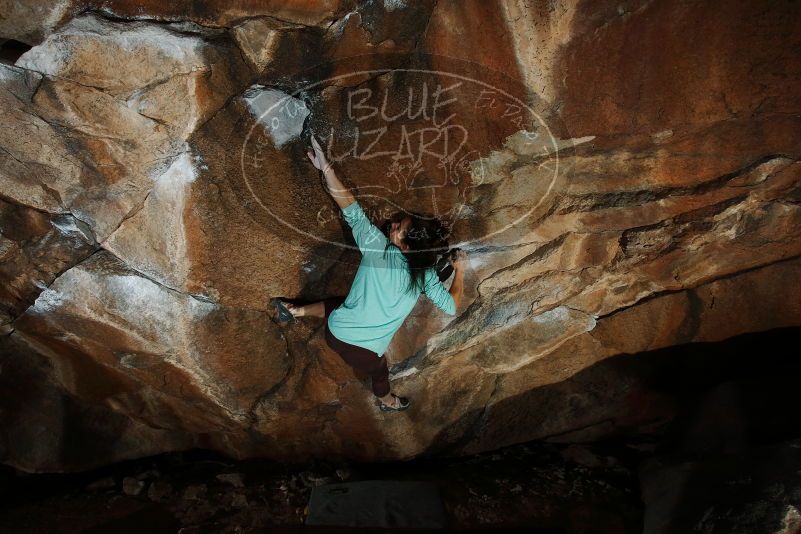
(622, 180)
(714, 443)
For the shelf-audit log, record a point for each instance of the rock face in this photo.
(624, 176)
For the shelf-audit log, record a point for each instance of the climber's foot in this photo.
(286, 311)
(398, 404)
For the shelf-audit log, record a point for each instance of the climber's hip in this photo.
(362, 360)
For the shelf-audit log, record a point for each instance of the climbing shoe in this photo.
(403, 403)
(284, 315)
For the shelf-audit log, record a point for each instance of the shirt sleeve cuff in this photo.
(350, 208)
(451, 305)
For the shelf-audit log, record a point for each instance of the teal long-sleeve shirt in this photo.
(378, 302)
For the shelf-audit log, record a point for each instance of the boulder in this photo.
(124, 126)
(30, 21)
(47, 428)
(222, 13)
(624, 178)
(206, 364)
(35, 248)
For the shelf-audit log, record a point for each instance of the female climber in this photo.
(393, 271)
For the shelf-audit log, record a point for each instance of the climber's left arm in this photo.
(437, 293)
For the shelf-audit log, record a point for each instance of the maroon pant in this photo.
(361, 359)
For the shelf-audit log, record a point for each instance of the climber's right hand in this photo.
(317, 156)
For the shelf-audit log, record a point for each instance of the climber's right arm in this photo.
(336, 189)
(341, 195)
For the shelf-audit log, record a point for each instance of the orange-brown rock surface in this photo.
(625, 176)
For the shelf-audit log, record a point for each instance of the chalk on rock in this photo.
(280, 114)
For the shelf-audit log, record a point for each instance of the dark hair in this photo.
(427, 238)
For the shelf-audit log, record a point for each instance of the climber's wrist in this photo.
(341, 195)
